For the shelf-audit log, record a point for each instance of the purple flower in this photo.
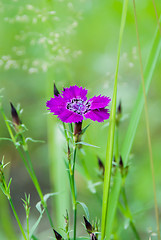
(72, 106)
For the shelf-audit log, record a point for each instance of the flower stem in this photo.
(17, 218)
(28, 229)
(74, 192)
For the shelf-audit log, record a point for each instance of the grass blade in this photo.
(134, 120)
(111, 131)
(147, 124)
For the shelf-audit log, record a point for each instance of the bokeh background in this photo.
(75, 42)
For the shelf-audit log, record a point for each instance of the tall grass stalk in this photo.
(131, 131)
(147, 124)
(111, 132)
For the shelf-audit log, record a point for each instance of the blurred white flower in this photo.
(33, 70)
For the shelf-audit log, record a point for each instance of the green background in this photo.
(75, 42)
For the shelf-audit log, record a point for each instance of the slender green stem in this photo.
(116, 143)
(65, 132)
(110, 140)
(134, 230)
(75, 220)
(38, 188)
(8, 126)
(73, 189)
(74, 192)
(48, 215)
(28, 230)
(147, 125)
(28, 165)
(25, 162)
(36, 183)
(124, 197)
(71, 176)
(17, 218)
(74, 158)
(128, 214)
(68, 237)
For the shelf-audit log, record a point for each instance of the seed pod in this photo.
(15, 117)
(119, 108)
(121, 164)
(89, 227)
(118, 113)
(101, 166)
(57, 235)
(56, 92)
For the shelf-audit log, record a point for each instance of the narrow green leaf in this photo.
(46, 196)
(33, 140)
(86, 144)
(38, 206)
(111, 131)
(85, 128)
(8, 139)
(34, 238)
(9, 184)
(85, 208)
(35, 226)
(134, 120)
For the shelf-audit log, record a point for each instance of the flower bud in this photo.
(118, 113)
(57, 235)
(123, 169)
(119, 109)
(89, 227)
(101, 166)
(15, 117)
(121, 164)
(56, 92)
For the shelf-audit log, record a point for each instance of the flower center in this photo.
(79, 106)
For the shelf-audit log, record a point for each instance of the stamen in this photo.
(78, 106)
